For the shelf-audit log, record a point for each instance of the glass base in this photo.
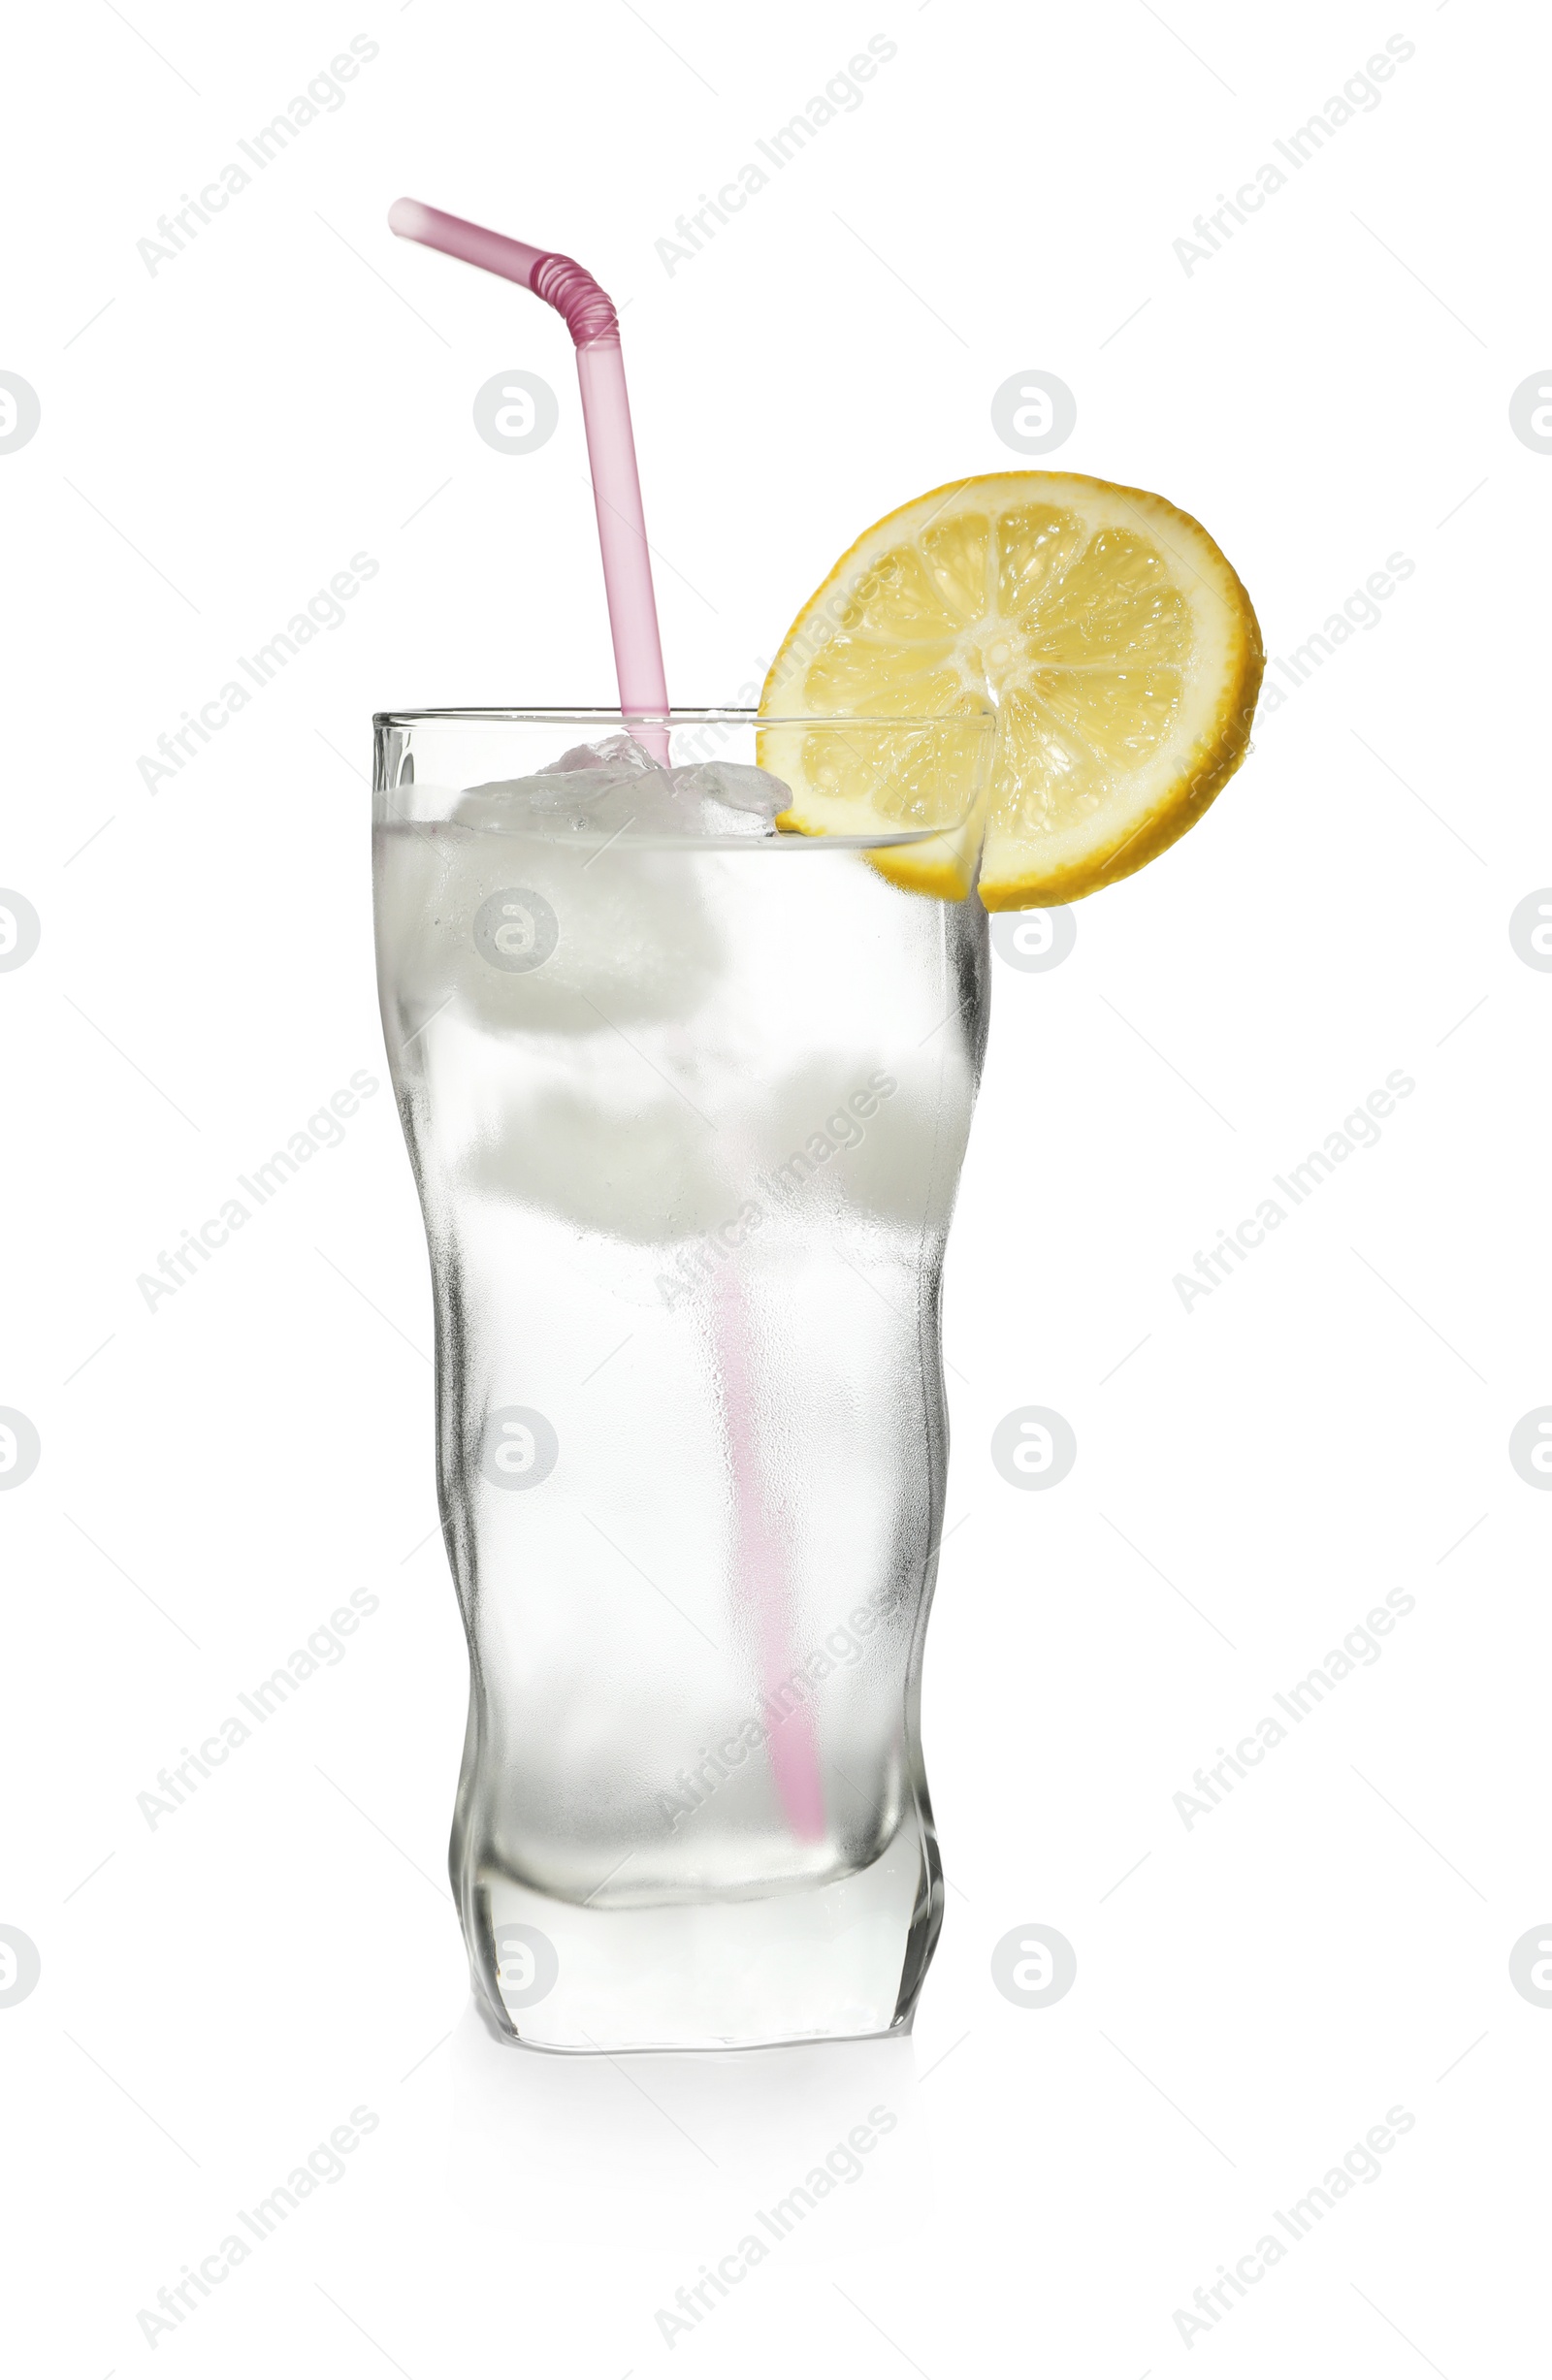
(829, 1962)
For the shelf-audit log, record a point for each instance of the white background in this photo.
(217, 438)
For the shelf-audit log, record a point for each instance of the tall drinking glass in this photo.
(686, 1097)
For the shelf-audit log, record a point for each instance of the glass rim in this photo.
(584, 715)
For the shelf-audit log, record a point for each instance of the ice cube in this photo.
(617, 756)
(573, 800)
(722, 801)
(616, 788)
(623, 945)
(734, 787)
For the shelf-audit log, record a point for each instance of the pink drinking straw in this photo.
(589, 315)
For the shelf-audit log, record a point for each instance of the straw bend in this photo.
(586, 310)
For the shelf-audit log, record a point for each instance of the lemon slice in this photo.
(1116, 642)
